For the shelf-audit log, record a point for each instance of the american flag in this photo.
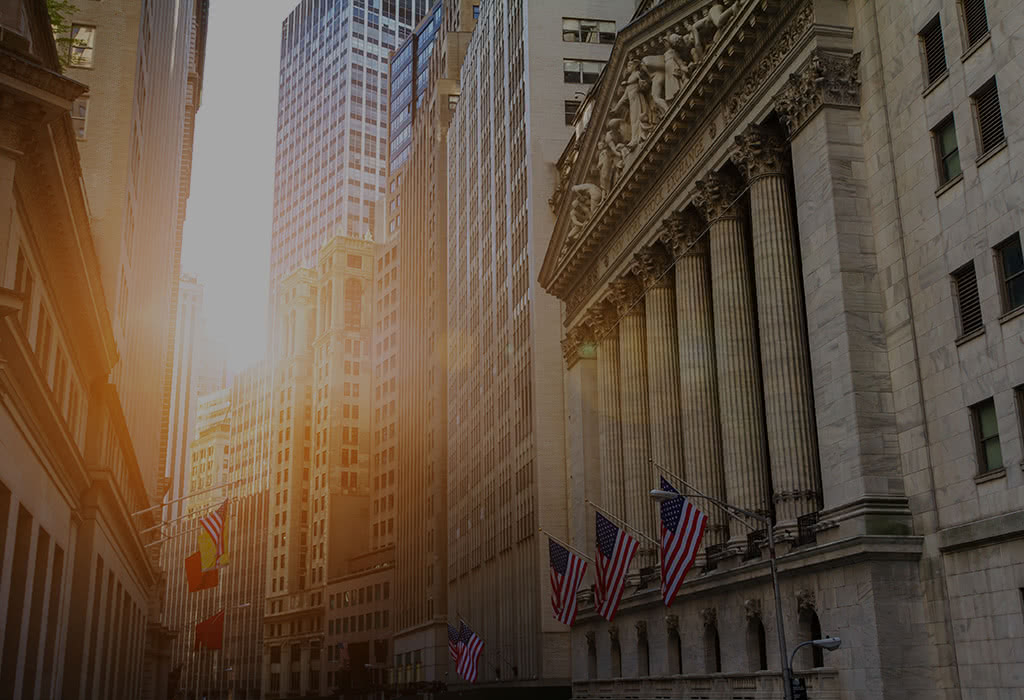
(682, 528)
(615, 550)
(213, 523)
(567, 571)
(453, 643)
(469, 648)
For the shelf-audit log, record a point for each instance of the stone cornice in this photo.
(674, 150)
(826, 79)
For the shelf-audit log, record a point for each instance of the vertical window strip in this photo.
(934, 50)
(990, 118)
(975, 20)
(965, 284)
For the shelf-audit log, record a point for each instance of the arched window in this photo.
(353, 304)
(643, 652)
(675, 646)
(616, 653)
(810, 628)
(712, 649)
(757, 647)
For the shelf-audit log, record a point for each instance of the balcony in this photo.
(822, 684)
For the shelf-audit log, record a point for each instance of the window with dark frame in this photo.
(934, 51)
(986, 436)
(588, 31)
(965, 288)
(989, 118)
(1018, 400)
(581, 72)
(570, 111)
(946, 150)
(1011, 272)
(975, 20)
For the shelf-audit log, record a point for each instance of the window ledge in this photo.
(1012, 314)
(991, 152)
(990, 475)
(930, 87)
(949, 185)
(975, 46)
(970, 336)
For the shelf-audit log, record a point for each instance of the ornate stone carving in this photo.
(613, 634)
(826, 79)
(587, 197)
(611, 152)
(752, 608)
(710, 616)
(805, 601)
(652, 266)
(716, 196)
(628, 295)
(642, 113)
(672, 623)
(761, 150)
(578, 344)
(601, 319)
(669, 70)
(641, 629)
(682, 234)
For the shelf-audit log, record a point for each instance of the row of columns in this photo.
(700, 374)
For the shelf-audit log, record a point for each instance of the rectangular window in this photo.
(588, 31)
(989, 118)
(975, 20)
(946, 150)
(986, 436)
(965, 288)
(355, 262)
(83, 41)
(933, 51)
(1011, 272)
(581, 72)
(1018, 400)
(570, 111)
(79, 111)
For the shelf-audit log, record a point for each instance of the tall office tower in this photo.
(133, 128)
(198, 369)
(506, 458)
(321, 454)
(424, 89)
(331, 123)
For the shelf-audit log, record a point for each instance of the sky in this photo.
(230, 207)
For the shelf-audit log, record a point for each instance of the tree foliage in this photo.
(60, 21)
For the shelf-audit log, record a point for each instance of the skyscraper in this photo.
(506, 458)
(332, 123)
(424, 90)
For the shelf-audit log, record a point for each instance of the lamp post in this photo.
(741, 514)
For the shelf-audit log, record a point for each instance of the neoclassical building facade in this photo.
(760, 246)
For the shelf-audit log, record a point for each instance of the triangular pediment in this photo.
(655, 59)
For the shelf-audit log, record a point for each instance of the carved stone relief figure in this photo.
(636, 96)
(718, 15)
(587, 198)
(668, 70)
(610, 153)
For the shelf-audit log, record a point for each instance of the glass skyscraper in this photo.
(332, 116)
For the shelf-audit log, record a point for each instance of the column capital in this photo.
(825, 79)
(652, 266)
(681, 234)
(601, 319)
(627, 294)
(716, 196)
(578, 344)
(761, 151)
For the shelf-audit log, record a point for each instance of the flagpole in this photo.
(727, 507)
(622, 522)
(578, 553)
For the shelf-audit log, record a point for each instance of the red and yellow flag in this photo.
(198, 579)
(210, 632)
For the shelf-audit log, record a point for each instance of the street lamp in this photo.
(741, 514)
(826, 643)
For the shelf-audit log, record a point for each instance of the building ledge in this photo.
(1007, 526)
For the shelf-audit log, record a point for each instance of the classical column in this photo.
(820, 109)
(613, 476)
(627, 295)
(702, 448)
(582, 433)
(785, 363)
(654, 268)
(739, 376)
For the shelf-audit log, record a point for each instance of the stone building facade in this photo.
(786, 244)
(77, 582)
